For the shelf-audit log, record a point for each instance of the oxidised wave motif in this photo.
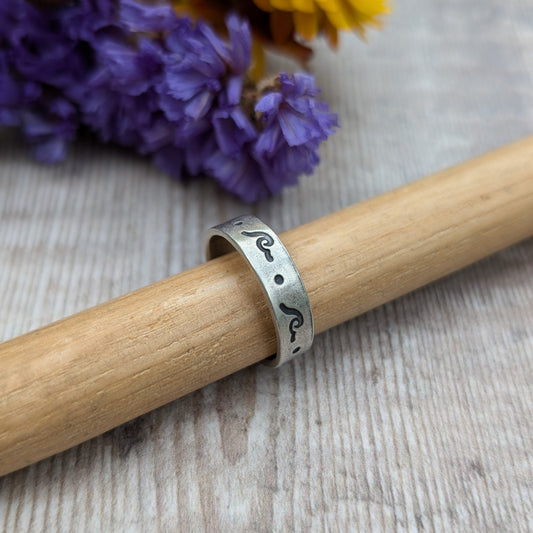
(263, 242)
(296, 322)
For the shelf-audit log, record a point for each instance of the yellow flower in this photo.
(308, 17)
(279, 23)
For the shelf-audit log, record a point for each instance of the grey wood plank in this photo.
(415, 416)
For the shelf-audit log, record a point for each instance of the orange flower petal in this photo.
(281, 26)
(331, 33)
(306, 24)
(305, 6)
(264, 5)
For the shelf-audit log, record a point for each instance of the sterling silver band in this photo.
(285, 291)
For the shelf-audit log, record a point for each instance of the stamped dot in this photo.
(279, 279)
(296, 350)
(238, 223)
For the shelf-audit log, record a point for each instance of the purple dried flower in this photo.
(39, 62)
(201, 68)
(139, 76)
(295, 123)
(117, 99)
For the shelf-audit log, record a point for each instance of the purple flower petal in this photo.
(242, 176)
(269, 103)
(212, 43)
(232, 130)
(297, 129)
(198, 106)
(137, 17)
(233, 90)
(269, 141)
(241, 42)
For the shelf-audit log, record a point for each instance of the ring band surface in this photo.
(264, 252)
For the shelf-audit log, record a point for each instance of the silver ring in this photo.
(264, 252)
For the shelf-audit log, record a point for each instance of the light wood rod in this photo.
(74, 379)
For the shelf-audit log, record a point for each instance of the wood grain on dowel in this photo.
(81, 376)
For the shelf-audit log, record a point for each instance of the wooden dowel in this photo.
(81, 376)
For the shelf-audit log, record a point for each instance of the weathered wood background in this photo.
(417, 416)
